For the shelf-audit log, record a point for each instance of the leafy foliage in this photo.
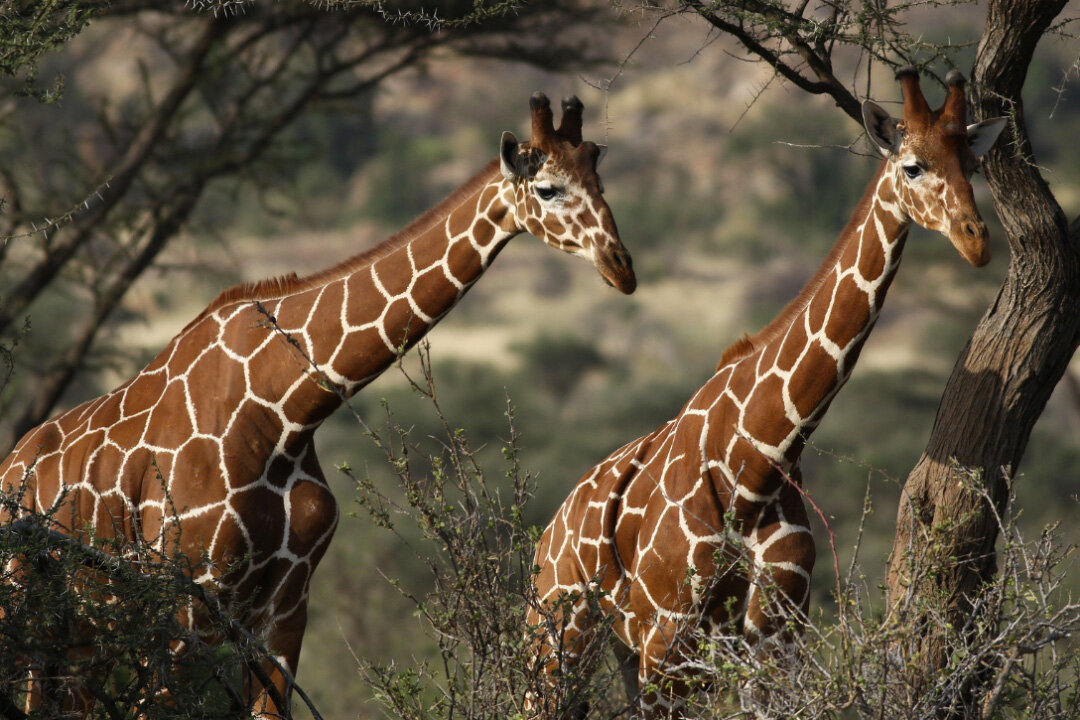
(115, 625)
(100, 622)
(31, 28)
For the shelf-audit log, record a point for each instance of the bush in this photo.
(478, 552)
(109, 623)
(1015, 658)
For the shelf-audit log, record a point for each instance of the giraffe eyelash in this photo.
(547, 192)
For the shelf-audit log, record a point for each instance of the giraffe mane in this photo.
(748, 344)
(290, 283)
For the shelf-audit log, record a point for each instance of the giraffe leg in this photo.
(54, 698)
(34, 691)
(565, 645)
(779, 597)
(312, 520)
(284, 642)
(662, 691)
(778, 600)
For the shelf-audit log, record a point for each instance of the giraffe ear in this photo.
(882, 128)
(981, 136)
(509, 157)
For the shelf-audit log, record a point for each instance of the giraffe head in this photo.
(558, 197)
(930, 157)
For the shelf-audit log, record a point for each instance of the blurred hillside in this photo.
(728, 187)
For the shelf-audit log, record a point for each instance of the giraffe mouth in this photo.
(617, 270)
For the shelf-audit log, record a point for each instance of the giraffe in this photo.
(215, 435)
(699, 526)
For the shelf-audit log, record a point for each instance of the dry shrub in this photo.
(1015, 658)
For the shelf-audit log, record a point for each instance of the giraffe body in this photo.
(700, 525)
(209, 449)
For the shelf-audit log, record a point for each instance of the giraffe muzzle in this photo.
(617, 269)
(972, 240)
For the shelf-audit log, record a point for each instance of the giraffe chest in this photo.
(696, 559)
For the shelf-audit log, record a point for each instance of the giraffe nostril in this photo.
(623, 260)
(970, 229)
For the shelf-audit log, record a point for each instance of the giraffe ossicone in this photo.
(699, 526)
(215, 436)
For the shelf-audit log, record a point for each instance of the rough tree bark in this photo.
(1006, 373)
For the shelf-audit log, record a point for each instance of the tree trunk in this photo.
(1005, 375)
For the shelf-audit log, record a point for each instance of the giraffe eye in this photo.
(546, 192)
(912, 171)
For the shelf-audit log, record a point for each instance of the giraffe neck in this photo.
(798, 363)
(338, 330)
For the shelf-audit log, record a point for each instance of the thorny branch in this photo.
(31, 528)
(798, 40)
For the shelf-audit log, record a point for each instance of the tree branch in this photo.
(825, 84)
(10, 208)
(223, 156)
(123, 175)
